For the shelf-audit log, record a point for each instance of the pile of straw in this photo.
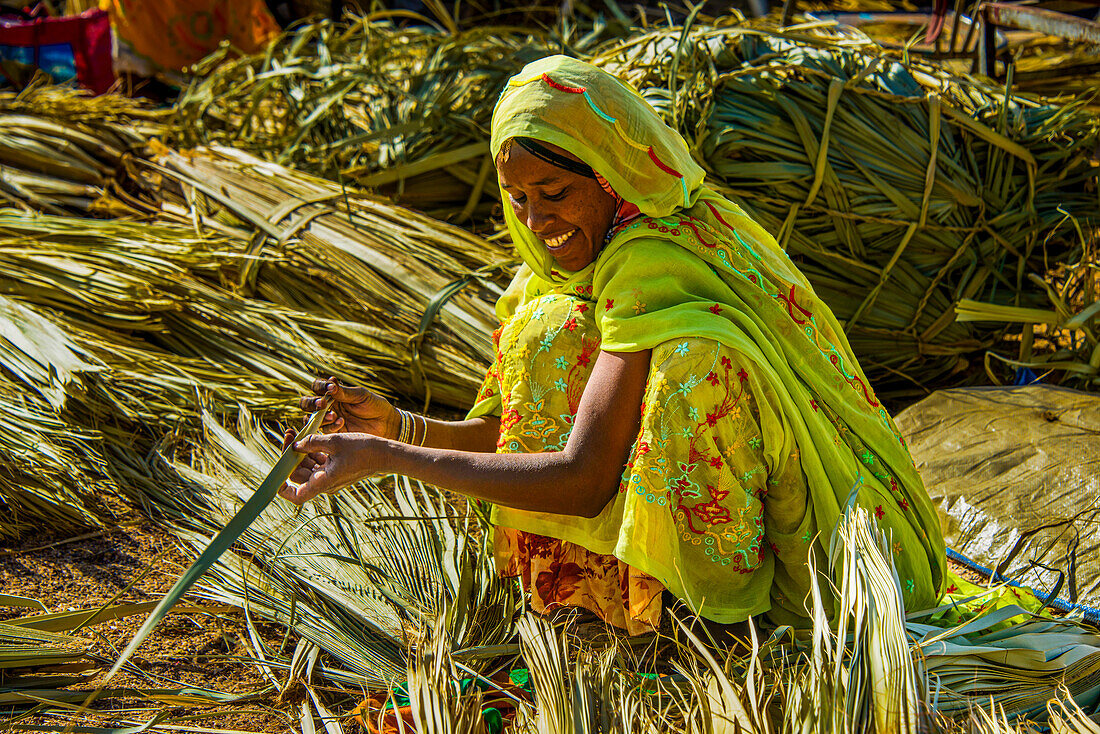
(252, 282)
(402, 111)
(899, 188)
(64, 152)
(404, 299)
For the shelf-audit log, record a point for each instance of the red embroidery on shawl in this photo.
(562, 87)
(653, 157)
(792, 305)
(717, 215)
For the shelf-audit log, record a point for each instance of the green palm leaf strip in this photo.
(256, 504)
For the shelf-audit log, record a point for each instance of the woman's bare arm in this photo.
(478, 435)
(580, 480)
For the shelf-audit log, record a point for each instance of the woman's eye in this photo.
(556, 197)
(518, 199)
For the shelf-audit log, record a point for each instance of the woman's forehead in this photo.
(520, 168)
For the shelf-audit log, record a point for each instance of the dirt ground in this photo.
(68, 572)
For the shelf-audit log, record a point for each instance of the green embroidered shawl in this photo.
(727, 280)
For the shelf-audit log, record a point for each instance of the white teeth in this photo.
(560, 240)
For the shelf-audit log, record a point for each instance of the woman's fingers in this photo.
(320, 389)
(311, 477)
(306, 490)
(335, 427)
(304, 469)
(354, 395)
(316, 444)
(331, 388)
(331, 422)
(330, 462)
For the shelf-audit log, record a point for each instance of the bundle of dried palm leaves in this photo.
(898, 188)
(402, 111)
(64, 152)
(399, 296)
(115, 335)
(1058, 344)
(50, 470)
(262, 280)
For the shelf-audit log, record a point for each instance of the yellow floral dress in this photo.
(700, 421)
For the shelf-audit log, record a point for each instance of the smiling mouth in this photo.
(557, 242)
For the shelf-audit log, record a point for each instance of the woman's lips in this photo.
(558, 243)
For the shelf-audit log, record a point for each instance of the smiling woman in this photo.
(671, 413)
(558, 198)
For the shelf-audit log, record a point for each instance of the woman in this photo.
(670, 408)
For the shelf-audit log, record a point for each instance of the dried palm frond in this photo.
(169, 318)
(881, 678)
(359, 574)
(1063, 340)
(50, 469)
(409, 296)
(436, 699)
(134, 310)
(42, 661)
(21, 647)
(405, 111)
(1066, 717)
(1055, 67)
(143, 301)
(896, 186)
(227, 535)
(63, 151)
(544, 650)
(1019, 668)
(51, 472)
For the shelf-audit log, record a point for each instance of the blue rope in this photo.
(1090, 614)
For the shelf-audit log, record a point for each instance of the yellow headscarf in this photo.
(607, 125)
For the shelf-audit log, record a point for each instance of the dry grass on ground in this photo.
(193, 649)
(67, 572)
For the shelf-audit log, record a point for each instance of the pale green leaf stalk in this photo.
(260, 499)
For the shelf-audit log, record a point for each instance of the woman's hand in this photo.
(332, 461)
(354, 410)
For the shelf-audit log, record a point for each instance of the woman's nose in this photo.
(537, 218)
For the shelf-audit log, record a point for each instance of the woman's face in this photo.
(570, 213)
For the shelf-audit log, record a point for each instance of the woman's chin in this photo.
(572, 259)
(572, 264)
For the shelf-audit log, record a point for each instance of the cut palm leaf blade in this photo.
(260, 499)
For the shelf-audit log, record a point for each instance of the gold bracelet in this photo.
(424, 432)
(406, 426)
